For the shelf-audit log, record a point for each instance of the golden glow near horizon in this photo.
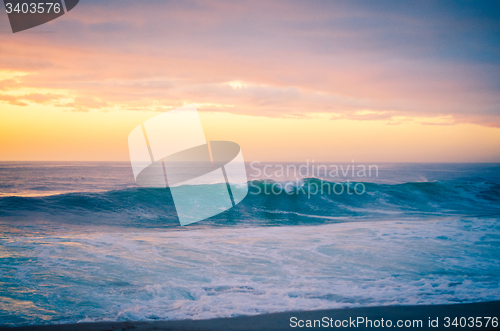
(48, 130)
(45, 132)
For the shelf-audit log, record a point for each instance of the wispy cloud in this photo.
(276, 59)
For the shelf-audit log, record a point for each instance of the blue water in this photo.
(80, 242)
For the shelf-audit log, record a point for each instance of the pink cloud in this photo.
(295, 59)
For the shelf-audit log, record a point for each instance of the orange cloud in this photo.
(292, 63)
(272, 60)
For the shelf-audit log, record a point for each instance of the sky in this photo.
(330, 81)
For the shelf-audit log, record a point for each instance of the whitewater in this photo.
(79, 243)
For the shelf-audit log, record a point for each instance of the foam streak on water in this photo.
(80, 242)
(219, 272)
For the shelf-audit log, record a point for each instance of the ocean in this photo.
(80, 242)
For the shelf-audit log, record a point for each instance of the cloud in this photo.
(24, 100)
(7, 84)
(290, 59)
(83, 104)
(12, 100)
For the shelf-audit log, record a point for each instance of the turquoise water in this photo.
(79, 242)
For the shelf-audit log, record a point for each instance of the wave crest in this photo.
(269, 202)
